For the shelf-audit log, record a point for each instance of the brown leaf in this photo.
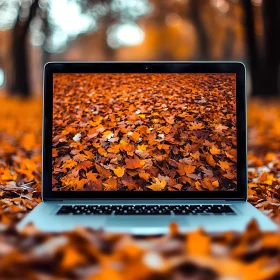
(134, 163)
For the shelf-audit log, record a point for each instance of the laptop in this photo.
(131, 147)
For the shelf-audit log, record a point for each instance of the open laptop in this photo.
(132, 147)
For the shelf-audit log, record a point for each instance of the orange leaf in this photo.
(119, 171)
(198, 186)
(135, 136)
(107, 133)
(145, 176)
(102, 171)
(134, 163)
(127, 147)
(84, 165)
(158, 185)
(80, 157)
(70, 163)
(215, 151)
(142, 147)
(163, 147)
(198, 243)
(185, 168)
(111, 184)
(196, 126)
(92, 176)
(224, 165)
(215, 184)
(210, 160)
(102, 151)
(114, 149)
(207, 184)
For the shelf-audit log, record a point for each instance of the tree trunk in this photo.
(20, 83)
(229, 43)
(251, 45)
(203, 41)
(271, 16)
(46, 31)
(20, 78)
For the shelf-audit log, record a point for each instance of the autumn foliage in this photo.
(144, 132)
(87, 254)
(97, 255)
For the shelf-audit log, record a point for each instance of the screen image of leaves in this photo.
(144, 132)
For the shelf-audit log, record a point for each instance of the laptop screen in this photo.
(144, 132)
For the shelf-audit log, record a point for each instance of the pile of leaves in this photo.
(20, 157)
(87, 254)
(144, 132)
(264, 156)
(97, 255)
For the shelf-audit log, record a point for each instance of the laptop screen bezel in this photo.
(145, 67)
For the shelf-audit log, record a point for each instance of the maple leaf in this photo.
(158, 185)
(102, 171)
(80, 157)
(184, 169)
(88, 154)
(114, 149)
(134, 163)
(84, 165)
(196, 126)
(79, 184)
(119, 171)
(196, 155)
(70, 163)
(111, 184)
(219, 128)
(92, 176)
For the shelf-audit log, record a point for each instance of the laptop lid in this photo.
(153, 130)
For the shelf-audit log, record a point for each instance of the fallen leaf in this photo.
(119, 171)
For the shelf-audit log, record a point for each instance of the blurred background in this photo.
(33, 32)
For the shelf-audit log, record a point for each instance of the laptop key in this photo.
(145, 210)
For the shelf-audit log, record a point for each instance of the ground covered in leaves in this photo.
(144, 132)
(87, 254)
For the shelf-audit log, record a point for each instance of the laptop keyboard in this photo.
(145, 210)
